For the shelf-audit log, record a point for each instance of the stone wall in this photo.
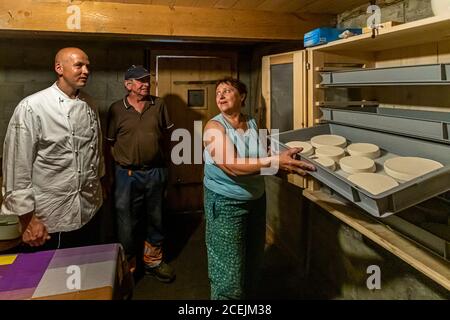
(391, 10)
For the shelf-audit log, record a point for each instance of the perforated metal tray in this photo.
(394, 200)
(432, 74)
(422, 124)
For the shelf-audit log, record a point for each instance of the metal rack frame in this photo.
(431, 74)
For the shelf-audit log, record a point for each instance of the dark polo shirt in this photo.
(138, 137)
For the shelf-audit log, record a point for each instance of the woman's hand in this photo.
(288, 163)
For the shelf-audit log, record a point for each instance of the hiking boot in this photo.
(163, 272)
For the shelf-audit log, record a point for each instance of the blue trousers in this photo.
(138, 203)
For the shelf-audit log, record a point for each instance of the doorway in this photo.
(187, 84)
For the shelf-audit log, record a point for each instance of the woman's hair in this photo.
(235, 83)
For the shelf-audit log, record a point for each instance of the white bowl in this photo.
(440, 7)
(9, 228)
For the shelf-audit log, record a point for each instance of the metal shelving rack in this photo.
(404, 67)
(431, 74)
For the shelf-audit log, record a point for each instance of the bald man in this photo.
(52, 160)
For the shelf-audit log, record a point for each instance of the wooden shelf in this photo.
(430, 265)
(409, 34)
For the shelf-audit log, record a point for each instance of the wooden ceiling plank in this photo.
(204, 3)
(248, 4)
(225, 4)
(291, 6)
(174, 22)
(169, 3)
(185, 3)
(272, 5)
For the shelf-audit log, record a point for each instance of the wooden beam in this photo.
(153, 20)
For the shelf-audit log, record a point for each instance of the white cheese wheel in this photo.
(335, 153)
(326, 162)
(308, 149)
(328, 140)
(375, 183)
(9, 228)
(408, 168)
(355, 164)
(367, 150)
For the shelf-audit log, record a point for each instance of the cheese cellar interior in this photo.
(332, 181)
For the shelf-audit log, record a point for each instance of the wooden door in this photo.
(280, 72)
(187, 85)
(284, 86)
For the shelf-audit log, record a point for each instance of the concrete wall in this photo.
(26, 66)
(327, 259)
(339, 258)
(285, 219)
(391, 10)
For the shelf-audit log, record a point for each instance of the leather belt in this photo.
(136, 167)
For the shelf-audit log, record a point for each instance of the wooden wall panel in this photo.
(265, 91)
(408, 56)
(444, 51)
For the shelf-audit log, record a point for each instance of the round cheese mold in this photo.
(355, 164)
(367, 150)
(328, 140)
(375, 183)
(408, 168)
(326, 162)
(335, 153)
(308, 149)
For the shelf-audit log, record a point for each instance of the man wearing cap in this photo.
(136, 128)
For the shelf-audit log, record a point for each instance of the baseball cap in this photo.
(136, 72)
